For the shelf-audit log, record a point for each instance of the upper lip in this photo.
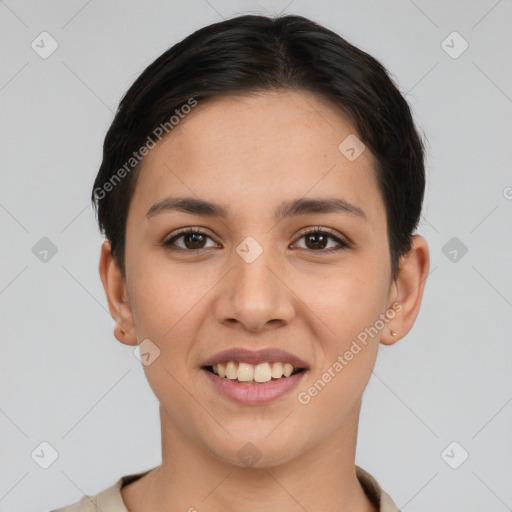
(269, 355)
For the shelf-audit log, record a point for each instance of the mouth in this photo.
(253, 377)
(254, 374)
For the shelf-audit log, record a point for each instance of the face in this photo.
(262, 277)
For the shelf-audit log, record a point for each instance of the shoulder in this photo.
(373, 490)
(86, 504)
(108, 500)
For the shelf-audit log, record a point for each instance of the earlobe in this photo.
(407, 291)
(117, 296)
(121, 335)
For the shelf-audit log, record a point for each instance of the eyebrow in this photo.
(195, 206)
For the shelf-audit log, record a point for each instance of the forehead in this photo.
(271, 123)
(265, 146)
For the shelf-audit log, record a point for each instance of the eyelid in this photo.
(323, 229)
(169, 241)
(342, 241)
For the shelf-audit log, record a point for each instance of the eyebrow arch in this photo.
(293, 208)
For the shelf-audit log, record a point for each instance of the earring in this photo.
(393, 333)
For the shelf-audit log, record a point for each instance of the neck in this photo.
(192, 479)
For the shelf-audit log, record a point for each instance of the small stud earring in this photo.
(393, 333)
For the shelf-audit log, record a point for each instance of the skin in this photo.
(250, 153)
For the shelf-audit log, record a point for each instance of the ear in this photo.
(117, 296)
(407, 291)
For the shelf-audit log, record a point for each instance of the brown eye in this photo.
(195, 240)
(317, 240)
(192, 240)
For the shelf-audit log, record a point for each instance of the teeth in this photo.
(231, 370)
(277, 370)
(220, 370)
(245, 372)
(262, 372)
(287, 369)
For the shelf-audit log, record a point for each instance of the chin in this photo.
(258, 450)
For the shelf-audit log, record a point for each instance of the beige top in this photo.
(110, 499)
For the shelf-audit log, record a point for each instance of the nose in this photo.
(254, 296)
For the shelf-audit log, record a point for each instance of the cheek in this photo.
(347, 299)
(346, 354)
(163, 304)
(164, 296)
(349, 303)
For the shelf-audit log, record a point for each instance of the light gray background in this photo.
(67, 381)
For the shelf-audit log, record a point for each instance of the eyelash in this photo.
(167, 244)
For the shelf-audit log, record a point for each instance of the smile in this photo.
(254, 373)
(250, 391)
(254, 377)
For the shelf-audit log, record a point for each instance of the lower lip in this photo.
(253, 394)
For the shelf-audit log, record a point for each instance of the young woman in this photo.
(259, 192)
